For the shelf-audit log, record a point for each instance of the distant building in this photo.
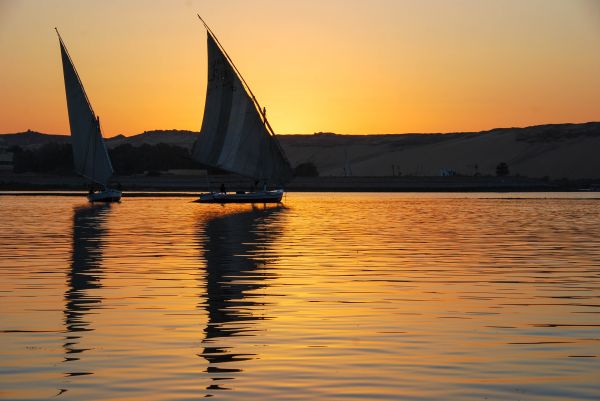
(446, 172)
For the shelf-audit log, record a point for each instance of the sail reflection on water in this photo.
(83, 278)
(235, 247)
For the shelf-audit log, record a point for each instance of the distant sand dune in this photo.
(556, 151)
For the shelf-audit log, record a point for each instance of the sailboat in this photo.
(236, 136)
(90, 155)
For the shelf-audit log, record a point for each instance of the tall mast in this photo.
(239, 74)
(85, 125)
(62, 43)
(261, 111)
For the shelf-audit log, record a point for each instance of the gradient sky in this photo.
(346, 66)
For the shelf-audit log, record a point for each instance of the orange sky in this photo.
(347, 66)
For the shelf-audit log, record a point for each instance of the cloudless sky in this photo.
(346, 66)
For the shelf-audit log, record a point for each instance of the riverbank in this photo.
(555, 151)
(194, 184)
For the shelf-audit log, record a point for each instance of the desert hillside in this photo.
(555, 151)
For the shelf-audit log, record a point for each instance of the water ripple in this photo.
(334, 296)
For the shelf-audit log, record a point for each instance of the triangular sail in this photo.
(234, 135)
(89, 151)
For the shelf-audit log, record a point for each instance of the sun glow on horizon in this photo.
(346, 67)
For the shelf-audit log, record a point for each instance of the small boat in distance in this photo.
(90, 155)
(236, 136)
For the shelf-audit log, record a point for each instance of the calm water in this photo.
(334, 296)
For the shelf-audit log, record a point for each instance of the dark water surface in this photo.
(334, 296)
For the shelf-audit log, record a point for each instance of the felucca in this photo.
(236, 136)
(90, 155)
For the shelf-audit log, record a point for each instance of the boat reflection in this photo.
(83, 277)
(234, 246)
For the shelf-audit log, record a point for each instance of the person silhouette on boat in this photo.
(223, 189)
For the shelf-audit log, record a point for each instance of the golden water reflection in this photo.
(335, 296)
(235, 273)
(83, 280)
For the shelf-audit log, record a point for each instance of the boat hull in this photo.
(108, 195)
(248, 197)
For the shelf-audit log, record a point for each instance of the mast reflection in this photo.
(234, 246)
(83, 277)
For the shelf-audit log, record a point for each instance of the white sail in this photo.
(234, 135)
(89, 150)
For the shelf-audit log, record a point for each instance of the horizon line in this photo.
(328, 132)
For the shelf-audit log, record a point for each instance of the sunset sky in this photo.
(346, 66)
